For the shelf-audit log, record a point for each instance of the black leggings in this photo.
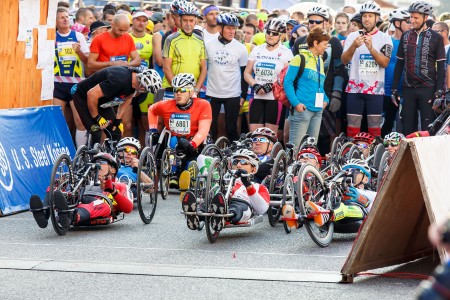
(86, 118)
(390, 112)
(265, 111)
(416, 99)
(232, 108)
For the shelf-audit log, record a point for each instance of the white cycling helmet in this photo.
(318, 11)
(175, 6)
(182, 80)
(421, 7)
(398, 15)
(267, 132)
(249, 155)
(187, 9)
(394, 136)
(276, 24)
(370, 7)
(149, 79)
(129, 141)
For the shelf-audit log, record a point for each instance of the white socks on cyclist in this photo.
(80, 137)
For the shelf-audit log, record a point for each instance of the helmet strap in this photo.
(222, 39)
(267, 149)
(274, 44)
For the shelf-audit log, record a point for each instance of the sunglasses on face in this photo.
(391, 144)
(131, 151)
(272, 33)
(260, 139)
(241, 161)
(307, 156)
(407, 21)
(315, 22)
(182, 90)
(364, 146)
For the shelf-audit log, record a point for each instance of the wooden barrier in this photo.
(20, 81)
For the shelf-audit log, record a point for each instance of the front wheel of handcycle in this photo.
(147, 187)
(311, 188)
(213, 186)
(165, 169)
(61, 180)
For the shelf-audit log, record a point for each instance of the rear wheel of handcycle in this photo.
(213, 186)
(200, 195)
(61, 180)
(80, 160)
(165, 169)
(378, 153)
(311, 188)
(147, 192)
(277, 147)
(212, 150)
(355, 153)
(343, 154)
(336, 146)
(275, 186)
(222, 142)
(289, 197)
(382, 166)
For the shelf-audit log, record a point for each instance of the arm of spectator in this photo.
(92, 99)
(135, 59)
(440, 68)
(157, 51)
(202, 77)
(124, 106)
(248, 73)
(167, 68)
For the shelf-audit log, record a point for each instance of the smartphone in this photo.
(361, 33)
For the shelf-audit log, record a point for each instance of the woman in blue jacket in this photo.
(307, 98)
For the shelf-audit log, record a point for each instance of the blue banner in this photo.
(30, 141)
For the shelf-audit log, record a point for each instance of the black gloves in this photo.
(245, 177)
(185, 147)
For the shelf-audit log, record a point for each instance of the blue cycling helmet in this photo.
(358, 164)
(227, 19)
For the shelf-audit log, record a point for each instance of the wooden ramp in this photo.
(415, 193)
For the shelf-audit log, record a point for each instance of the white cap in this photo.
(140, 14)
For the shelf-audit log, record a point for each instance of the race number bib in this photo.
(144, 63)
(368, 67)
(66, 51)
(180, 123)
(265, 72)
(116, 58)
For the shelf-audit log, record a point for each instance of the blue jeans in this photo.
(307, 122)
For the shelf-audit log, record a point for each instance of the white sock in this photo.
(80, 137)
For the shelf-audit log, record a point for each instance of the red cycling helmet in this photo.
(314, 151)
(363, 137)
(106, 157)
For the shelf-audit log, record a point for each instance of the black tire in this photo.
(382, 169)
(80, 160)
(277, 147)
(165, 170)
(311, 178)
(343, 154)
(336, 146)
(212, 150)
(289, 197)
(213, 185)
(147, 194)
(222, 142)
(200, 195)
(379, 151)
(62, 180)
(279, 169)
(347, 227)
(355, 153)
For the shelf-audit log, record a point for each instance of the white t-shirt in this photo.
(366, 76)
(224, 63)
(268, 64)
(209, 36)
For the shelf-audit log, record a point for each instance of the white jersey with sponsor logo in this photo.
(268, 64)
(366, 76)
(224, 68)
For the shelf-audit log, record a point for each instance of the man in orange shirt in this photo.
(114, 47)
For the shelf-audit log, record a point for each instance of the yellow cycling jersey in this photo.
(144, 47)
(186, 52)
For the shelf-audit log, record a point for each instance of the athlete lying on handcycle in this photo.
(246, 197)
(105, 199)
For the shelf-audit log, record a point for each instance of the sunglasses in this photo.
(364, 146)
(182, 90)
(260, 139)
(391, 144)
(241, 161)
(315, 22)
(131, 151)
(102, 162)
(272, 33)
(407, 21)
(308, 156)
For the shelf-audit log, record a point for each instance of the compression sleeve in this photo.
(398, 71)
(244, 84)
(440, 68)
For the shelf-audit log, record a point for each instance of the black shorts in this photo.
(265, 111)
(62, 91)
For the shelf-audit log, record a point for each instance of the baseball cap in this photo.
(140, 14)
(99, 24)
(157, 17)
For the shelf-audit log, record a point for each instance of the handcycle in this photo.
(216, 180)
